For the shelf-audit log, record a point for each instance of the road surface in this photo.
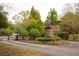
(71, 49)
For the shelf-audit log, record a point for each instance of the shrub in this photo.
(8, 31)
(56, 38)
(2, 32)
(35, 32)
(48, 38)
(43, 39)
(63, 35)
(24, 32)
(5, 32)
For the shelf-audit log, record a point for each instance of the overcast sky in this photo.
(42, 5)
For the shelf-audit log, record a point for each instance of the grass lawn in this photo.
(8, 50)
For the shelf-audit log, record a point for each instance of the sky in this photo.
(43, 6)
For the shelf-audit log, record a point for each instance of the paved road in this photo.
(68, 50)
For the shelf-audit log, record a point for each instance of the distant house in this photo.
(51, 29)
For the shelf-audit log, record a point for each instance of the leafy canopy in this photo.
(70, 22)
(3, 18)
(52, 16)
(35, 32)
(24, 32)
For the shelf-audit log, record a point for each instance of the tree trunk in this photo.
(8, 37)
(33, 38)
(23, 38)
(76, 37)
(16, 37)
(73, 36)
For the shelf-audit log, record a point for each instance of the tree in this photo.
(52, 16)
(70, 18)
(37, 18)
(32, 20)
(22, 21)
(35, 14)
(24, 15)
(8, 32)
(24, 33)
(3, 18)
(70, 23)
(71, 7)
(35, 33)
(68, 7)
(29, 21)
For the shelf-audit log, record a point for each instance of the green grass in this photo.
(8, 50)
